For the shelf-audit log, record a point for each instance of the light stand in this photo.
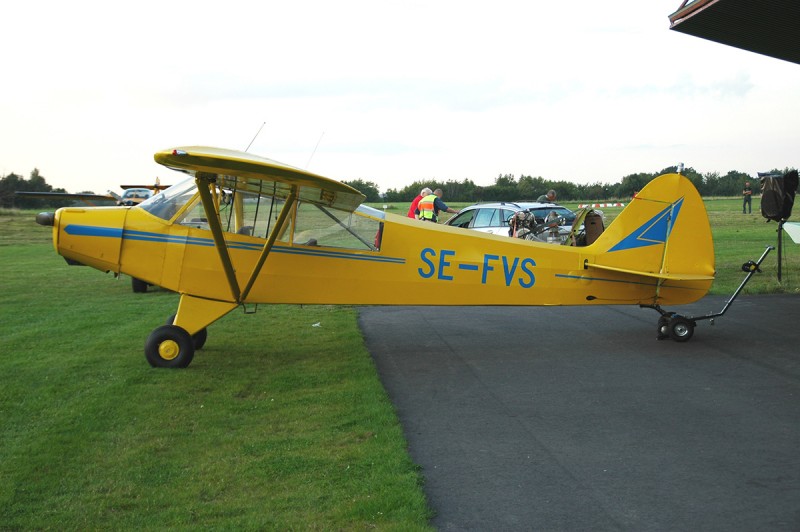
(780, 247)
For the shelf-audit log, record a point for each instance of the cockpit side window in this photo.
(252, 207)
(316, 225)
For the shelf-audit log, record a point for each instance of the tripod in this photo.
(780, 247)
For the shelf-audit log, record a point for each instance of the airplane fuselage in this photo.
(418, 263)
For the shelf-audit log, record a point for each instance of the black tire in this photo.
(663, 328)
(681, 329)
(169, 346)
(139, 286)
(199, 337)
(663, 325)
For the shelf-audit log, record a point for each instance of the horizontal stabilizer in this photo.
(666, 276)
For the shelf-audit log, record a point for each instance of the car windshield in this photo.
(136, 193)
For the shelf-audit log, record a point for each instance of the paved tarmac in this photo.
(577, 418)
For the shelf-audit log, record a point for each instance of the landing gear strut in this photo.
(681, 328)
(199, 338)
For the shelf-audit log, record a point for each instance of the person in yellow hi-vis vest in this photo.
(430, 206)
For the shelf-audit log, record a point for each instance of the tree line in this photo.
(36, 183)
(506, 187)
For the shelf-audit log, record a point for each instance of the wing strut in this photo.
(203, 181)
(273, 235)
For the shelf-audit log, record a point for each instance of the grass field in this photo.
(279, 423)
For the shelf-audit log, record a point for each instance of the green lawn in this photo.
(277, 424)
(741, 237)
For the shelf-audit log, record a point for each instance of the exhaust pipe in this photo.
(47, 219)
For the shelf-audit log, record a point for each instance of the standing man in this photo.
(747, 199)
(429, 207)
(413, 208)
(550, 197)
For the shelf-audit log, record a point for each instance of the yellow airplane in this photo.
(242, 230)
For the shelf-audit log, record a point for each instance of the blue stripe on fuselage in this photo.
(111, 232)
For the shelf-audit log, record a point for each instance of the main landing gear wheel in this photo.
(169, 346)
(199, 337)
(138, 286)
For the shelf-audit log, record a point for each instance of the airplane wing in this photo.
(261, 175)
(89, 199)
(151, 187)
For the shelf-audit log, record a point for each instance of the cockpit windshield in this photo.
(167, 203)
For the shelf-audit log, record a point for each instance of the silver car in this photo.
(545, 222)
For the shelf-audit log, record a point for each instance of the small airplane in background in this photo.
(243, 230)
(132, 195)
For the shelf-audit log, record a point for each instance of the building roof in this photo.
(768, 27)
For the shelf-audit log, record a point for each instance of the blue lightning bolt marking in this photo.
(654, 231)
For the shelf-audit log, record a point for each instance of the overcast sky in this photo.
(387, 91)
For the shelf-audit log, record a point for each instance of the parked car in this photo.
(547, 222)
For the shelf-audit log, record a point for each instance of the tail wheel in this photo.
(663, 326)
(199, 337)
(169, 346)
(681, 329)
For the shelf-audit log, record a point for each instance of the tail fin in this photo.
(664, 234)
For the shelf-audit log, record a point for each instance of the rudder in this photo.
(663, 230)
